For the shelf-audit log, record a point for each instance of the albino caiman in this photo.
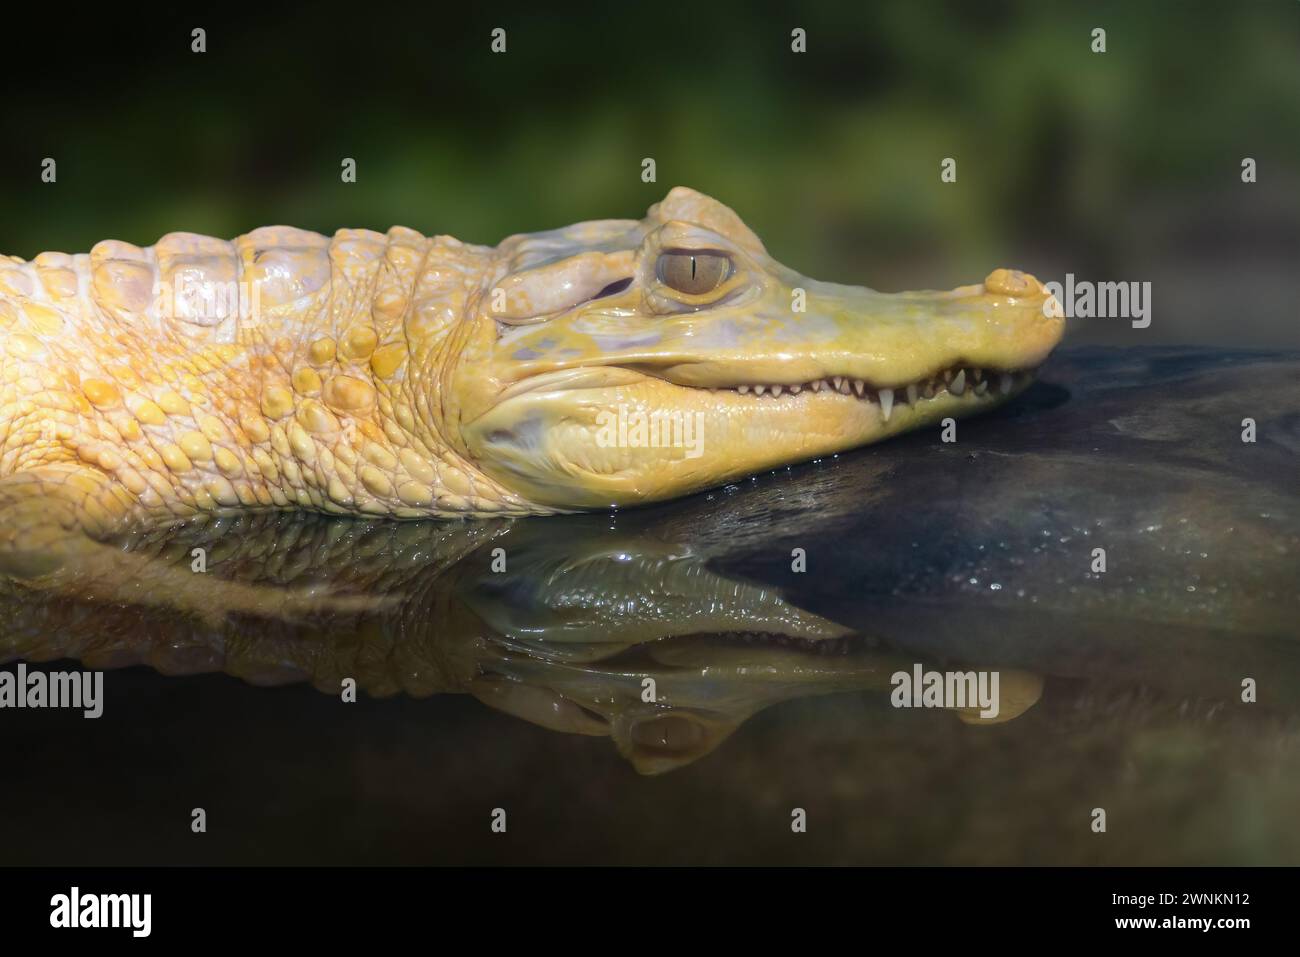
(608, 363)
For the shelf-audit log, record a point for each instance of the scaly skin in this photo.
(407, 376)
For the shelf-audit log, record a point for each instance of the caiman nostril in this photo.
(1011, 282)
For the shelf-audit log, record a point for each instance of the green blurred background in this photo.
(1117, 166)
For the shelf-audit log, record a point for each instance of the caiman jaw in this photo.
(955, 382)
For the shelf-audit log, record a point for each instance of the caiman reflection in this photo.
(596, 631)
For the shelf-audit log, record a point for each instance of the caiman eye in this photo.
(693, 273)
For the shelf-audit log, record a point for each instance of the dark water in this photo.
(523, 689)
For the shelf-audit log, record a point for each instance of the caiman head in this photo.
(617, 362)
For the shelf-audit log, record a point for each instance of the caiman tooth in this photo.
(956, 382)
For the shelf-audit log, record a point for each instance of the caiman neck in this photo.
(412, 461)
